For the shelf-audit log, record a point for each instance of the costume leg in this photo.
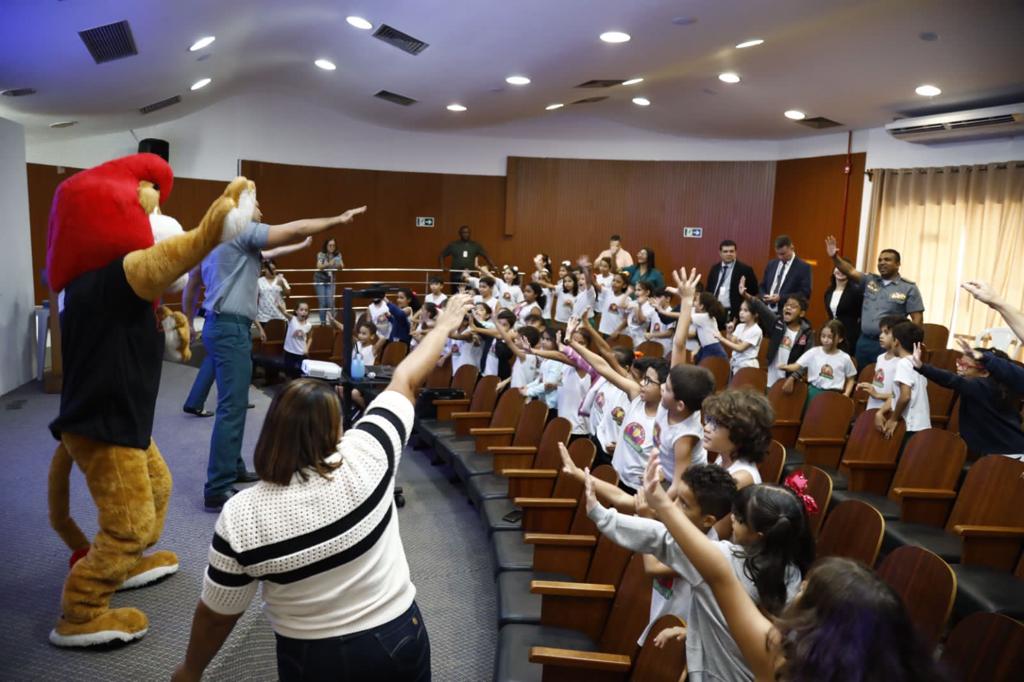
(118, 479)
(231, 345)
(201, 386)
(157, 565)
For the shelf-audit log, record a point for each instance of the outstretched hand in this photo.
(348, 215)
(686, 283)
(915, 358)
(568, 466)
(454, 311)
(981, 291)
(743, 288)
(968, 349)
(588, 490)
(831, 247)
(655, 495)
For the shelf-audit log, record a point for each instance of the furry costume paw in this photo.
(116, 625)
(150, 569)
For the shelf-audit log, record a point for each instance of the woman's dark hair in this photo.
(327, 241)
(779, 517)
(713, 486)
(850, 625)
(713, 307)
(749, 417)
(531, 335)
(650, 257)
(691, 384)
(414, 301)
(301, 431)
(538, 291)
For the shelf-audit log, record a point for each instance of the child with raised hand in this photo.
(989, 415)
(423, 321)
(910, 389)
(297, 339)
(616, 306)
(744, 341)
(566, 298)
(825, 367)
(367, 344)
(510, 294)
(603, 277)
(820, 635)
(662, 326)
(549, 378)
(639, 313)
(532, 304)
(519, 343)
(789, 334)
(771, 549)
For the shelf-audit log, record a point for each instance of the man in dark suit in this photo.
(785, 275)
(724, 278)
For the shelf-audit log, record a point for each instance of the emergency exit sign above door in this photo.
(693, 232)
(424, 221)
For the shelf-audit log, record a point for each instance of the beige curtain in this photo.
(952, 224)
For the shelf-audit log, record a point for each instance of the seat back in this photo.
(986, 647)
(338, 348)
(581, 523)
(827, 417)
(620, 341)
(323, 342)
(992, 495)
(940, 402)
(630, 610)
(860, 396)
(771, 466)
(275, 331)
(510, 407)
(531, 422)
(789, 409)
(944, 358)
(485, 394)
(557, 431)
(582, 452)
(440, 377)
(665, 664)
(853, 529)
(936, 336)
(867, 444)
(953, 425)
(651, 349)
(819, 486)
(465, 378)
(927, 586)
(394, 353)
(750, 377)
(719, 368)
(933, 459)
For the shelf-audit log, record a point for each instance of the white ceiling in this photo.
(854, 61)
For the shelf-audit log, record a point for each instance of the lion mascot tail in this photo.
(59, 492)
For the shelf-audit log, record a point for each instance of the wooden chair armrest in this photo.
(557, 588)
(820, 441)
(787, 422)
(868, 464)
(530, 473)
(925, 493)
(471, 415)
(545, 502)
(560, 539)
(493, 431)
(570, 658)
(969, 530)
(512, 449)
(451, 402)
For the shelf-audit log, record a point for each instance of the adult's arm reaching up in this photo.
(288, 233)
(413, 370)
(987, 295)
(845, 266)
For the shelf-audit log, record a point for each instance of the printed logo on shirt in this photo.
(879, 378)
(787, 342)
(455, 349)
(826, 372)
(599, 400)
(657, 435)
(663, 586)
(613, 308)
(635, 434)
(617, 415)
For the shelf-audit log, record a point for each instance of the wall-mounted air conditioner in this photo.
(974, 124)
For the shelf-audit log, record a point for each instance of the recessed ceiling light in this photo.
(455, 107)
(749, 43)
(928, 91)
(795, 115)
(615, 37)
(641, 101)
(201, 43)
(728, 77)
(359, 22)
(200, 84)
(63, 124)
(552, 107)
(325, 64)
(633, 81)
(517, 80)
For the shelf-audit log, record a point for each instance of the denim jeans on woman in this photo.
(325, 299)
(398, 651)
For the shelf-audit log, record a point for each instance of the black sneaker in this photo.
(197, 412)
(215, 503)
(247, 477)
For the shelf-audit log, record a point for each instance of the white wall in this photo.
(16, 298)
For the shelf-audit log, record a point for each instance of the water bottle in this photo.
(358, 368)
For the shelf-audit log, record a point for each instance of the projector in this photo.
(319, 369)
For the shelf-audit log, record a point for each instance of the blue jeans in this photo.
(196, 399)
(398, 651)
(228, 341)
(712, 350)
(325, 299)
(868, 350)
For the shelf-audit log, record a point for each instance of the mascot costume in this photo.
(103, 258)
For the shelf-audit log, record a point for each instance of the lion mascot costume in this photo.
(101, 254)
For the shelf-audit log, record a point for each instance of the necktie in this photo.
(722, 278)
(779, 275)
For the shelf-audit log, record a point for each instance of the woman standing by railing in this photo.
(327, 262)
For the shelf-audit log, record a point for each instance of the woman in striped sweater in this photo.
(320, 533)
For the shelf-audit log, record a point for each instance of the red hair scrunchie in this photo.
(797, 482)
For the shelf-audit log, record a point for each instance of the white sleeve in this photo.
(227, 589)
(807, 358)
(647, 536)
(905, 373)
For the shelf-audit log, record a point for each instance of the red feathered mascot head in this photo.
(101, 214)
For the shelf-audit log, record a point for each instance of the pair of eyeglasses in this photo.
(647, 381)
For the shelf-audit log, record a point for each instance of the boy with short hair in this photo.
(910, 389)
(880, 388)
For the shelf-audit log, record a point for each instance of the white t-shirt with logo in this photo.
(525, 371)
(885, 372)
(782, 356)
(570, 397)
(634, 327)
(917, 415)
(605, 296)
(611, 314)
(464, 353)
(705, 326)
(367, 353)
(666, 435)
(295, 338)
(380, 317)
(671, 595)
(564, 304)
(634, 445)
(748, 333)
(827, 371)
(616, 402)
(436, 299)
(509, 295)
(657, 326)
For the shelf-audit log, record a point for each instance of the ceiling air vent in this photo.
(599, 83)
(974, 124)
(18, 92)
(395, 98)
(162, 104)
(403, 41)
(110, 42)
(591, 100)
(819, 122)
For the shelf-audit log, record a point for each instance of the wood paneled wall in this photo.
(809, 206)
(567, 207)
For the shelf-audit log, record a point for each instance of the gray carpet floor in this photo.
(444, 541)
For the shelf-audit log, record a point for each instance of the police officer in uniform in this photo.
(884, 294)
